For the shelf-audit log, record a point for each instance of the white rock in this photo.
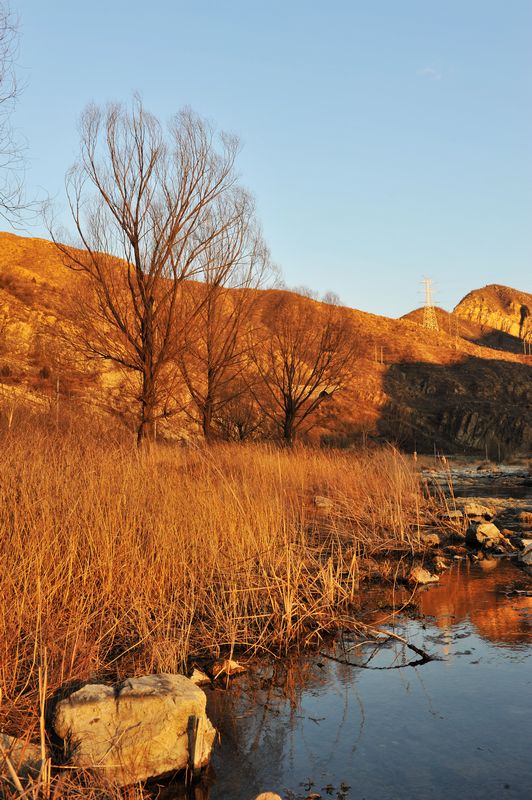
(135, 730)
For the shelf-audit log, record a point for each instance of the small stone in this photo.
(323, 502)
(227, 667)
(138, 729)
(25, 758)
(453, 514)
(268, 796)
(525, 558)
(420, 575)
(525, 517)
(441, 564)
(478, 510)
(485, 535)
(199, 678)
(430, 539)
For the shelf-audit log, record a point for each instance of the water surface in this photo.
(459, 726)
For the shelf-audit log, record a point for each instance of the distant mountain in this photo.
(421, 389)
(499, 308)
(476, 321)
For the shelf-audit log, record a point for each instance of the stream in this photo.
(460, 725)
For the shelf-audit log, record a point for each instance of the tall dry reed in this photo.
(115, 561)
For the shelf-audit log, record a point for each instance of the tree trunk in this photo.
(289, 429)
(146, 428)
(207, 420)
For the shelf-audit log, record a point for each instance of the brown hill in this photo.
(499, 308)
(464, 327)
(418, 388)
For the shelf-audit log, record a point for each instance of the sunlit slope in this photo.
(417, 387)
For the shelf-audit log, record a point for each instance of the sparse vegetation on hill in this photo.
(400, 388)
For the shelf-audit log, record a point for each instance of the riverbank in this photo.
(116, 563)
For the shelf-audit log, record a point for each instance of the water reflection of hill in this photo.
(480, 595)
(307, 722)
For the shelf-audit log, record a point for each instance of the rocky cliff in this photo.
(499, 308)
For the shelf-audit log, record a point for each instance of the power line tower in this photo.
(429, 313)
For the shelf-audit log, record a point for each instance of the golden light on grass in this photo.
(116, 562)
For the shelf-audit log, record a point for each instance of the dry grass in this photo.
(115, 562)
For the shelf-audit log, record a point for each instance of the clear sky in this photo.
(384, 140)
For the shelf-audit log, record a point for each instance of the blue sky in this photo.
(383, 140)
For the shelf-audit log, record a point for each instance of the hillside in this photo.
(498, 308)
(413, 386)
(465, 327)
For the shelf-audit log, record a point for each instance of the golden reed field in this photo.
(117, 561)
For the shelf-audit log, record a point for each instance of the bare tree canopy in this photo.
(307, 356)
(149, 205)
(215, 347)
(11, 161)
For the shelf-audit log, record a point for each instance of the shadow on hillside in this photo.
(473, 406)
(499, 340)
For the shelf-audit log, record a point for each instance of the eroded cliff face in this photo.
(499, 307)
(472, 405)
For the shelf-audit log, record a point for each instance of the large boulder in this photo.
(138, 729)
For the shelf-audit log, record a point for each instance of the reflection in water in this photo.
(455, 727)
(480, 595)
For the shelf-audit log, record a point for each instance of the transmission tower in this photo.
(429, 313)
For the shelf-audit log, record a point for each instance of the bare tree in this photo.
(305, 358)
(240, 418)
(11, 155)
(215, 347)
(145, 204)
(332, 298)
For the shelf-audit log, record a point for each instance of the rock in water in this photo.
(486, 536)
(525, 558)
(138, 729)
(420, 575)
(268, 796)
(227, 667)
